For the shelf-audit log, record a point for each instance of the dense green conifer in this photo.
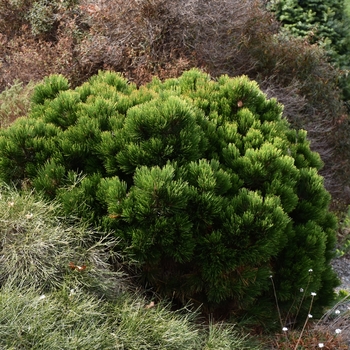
(209, 189)
(325, 22)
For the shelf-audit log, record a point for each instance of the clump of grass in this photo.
(221, 336)
(153, 326)
(15, 102)
(39, 250)
(177, 330)
(30, 320)
(75, 319)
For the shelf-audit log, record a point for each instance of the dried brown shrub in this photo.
(28, 59)
(139, 38)
(12, 16)
(28, 54)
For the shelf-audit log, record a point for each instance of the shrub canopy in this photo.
(209, 189)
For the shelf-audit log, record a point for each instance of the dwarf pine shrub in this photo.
(208, 188)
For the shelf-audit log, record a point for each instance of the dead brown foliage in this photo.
(29, 59)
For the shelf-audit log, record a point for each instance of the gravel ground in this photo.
(342, 267)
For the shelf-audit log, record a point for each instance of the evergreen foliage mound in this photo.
(207, 186)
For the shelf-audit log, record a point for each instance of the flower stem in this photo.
(305, 323)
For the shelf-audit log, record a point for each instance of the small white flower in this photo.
(301, 290)
(270, 276)
(337, 312)
(313, 294)
(29, 216)
(338, 331)
(42, 297)
(309, 316)
(284, 329)
(11, 204)
(320, 345)
(311, 270)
